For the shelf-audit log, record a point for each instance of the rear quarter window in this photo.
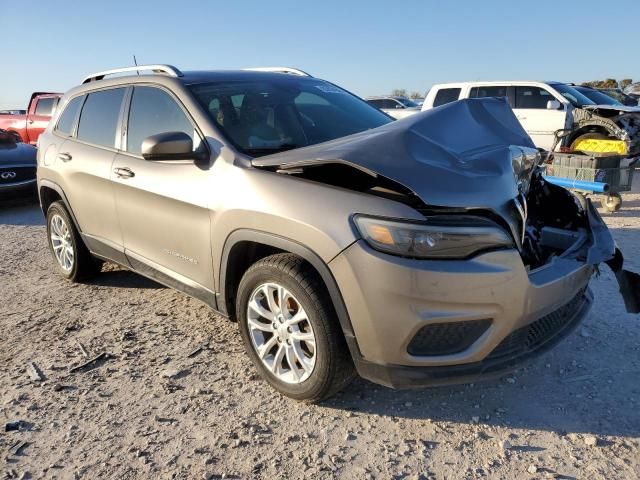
(446, 95)
(68, 116)
(99, 117)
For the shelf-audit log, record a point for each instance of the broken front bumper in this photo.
(498, 313)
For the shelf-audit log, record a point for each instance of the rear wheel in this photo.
(72, 258)
(290, 330)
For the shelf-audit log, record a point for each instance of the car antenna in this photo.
(135, 62)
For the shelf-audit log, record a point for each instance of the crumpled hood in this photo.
(456, 155)
(615, 108)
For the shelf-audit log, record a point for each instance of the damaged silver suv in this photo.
(419, 252)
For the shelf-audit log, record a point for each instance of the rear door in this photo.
(84, 162)
(163, 205)
(530, 106)
(39, 116)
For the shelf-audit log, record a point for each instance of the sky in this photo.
(368, 47)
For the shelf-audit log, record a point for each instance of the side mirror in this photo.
(168, 146)
(553, 105)
(399, 106)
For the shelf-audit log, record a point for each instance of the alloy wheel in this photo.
(281, 333)
(61, 243)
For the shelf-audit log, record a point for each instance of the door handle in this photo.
(31, 122)
(521, 118)
(65, 157)
(124, 172)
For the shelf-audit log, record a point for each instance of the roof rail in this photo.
(166, 69)
(290, 71)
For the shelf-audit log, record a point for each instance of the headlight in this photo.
(438, 237)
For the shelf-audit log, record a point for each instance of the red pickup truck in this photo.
(29, 127)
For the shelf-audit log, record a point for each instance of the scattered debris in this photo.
(35, 373)
(83, 350)
(18, 447)
(16, 426)
(91, 364)
(532, 469)
(590, 441)
(505, 445)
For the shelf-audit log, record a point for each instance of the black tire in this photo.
(333, 368)
(85, 265)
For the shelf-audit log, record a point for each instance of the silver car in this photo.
(414, 253)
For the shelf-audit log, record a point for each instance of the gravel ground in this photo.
(173, 395)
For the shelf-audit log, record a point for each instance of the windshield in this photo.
(574, 96)
(598, 97)
(271, 115)
(406, 102)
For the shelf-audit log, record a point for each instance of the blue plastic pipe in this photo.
(595, 187)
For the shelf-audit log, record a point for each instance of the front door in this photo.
(530, 107)
(163, 205)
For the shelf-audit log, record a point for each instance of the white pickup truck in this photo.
(545, 107)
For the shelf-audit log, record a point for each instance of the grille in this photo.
(22, 174)
(447, 338)
(534, 335)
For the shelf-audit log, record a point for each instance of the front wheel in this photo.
(290, 330)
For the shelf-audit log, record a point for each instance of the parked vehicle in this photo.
(619, 95)
(397, 107)
(335, 237)
(17, 166)
(545, 107)
(28, 126)
(599, 97)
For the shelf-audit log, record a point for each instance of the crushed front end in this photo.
(497, 270)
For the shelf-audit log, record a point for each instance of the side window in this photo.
(532, 97)
(45, 106)
(99, 117)
(154, 111)
(68, 117)
(446, 95)
(375, 103)
(488, 91)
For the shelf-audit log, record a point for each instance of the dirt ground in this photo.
(174, 395)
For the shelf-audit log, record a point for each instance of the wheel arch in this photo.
(244, 247)
(50, 192)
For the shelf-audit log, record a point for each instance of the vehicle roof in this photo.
(498, 82)
(187, 78)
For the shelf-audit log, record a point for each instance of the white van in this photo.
(545, 107)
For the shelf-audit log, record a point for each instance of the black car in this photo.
(17, 166)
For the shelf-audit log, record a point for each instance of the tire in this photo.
(78, 264)
(305, 297)
(613, 202)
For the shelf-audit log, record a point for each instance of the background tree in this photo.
(399, 92)
(625, 82)
(415, 95)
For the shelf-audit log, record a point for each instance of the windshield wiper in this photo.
(269, 150)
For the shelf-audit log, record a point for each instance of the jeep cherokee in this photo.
(419, 252)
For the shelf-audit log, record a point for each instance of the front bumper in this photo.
(391, 299)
